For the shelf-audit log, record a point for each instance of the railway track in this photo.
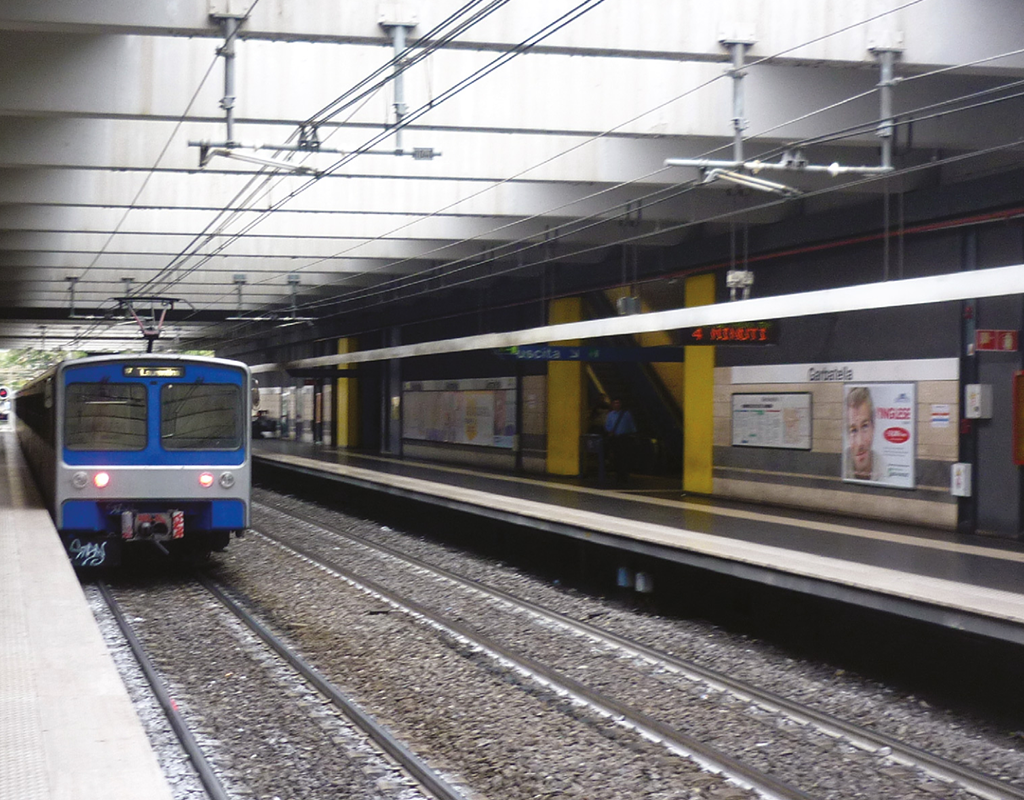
(776, 723)
(219, 763)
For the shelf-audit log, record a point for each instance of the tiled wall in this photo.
(812, 479)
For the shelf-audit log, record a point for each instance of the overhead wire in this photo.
(937, 109)
(476, 75)
(944, 69)
(132, 206)
(517, 248)
(432, 41)
(471, 261)
(792, 49)
(191, 250)
(721, 217)
(572, 15)
(599, 217)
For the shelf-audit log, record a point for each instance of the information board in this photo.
(474, 411)
(772, 420)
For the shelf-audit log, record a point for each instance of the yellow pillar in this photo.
(566, 399)
(346, 405)
(698, 398)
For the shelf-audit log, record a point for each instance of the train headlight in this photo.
(227, 480)
(101, 480)
(79, 480)
(206, 480)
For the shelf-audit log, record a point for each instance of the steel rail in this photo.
(710, 758)
(967, 778)
(211, 783)
(413, 764)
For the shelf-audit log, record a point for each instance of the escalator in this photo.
(657, 412)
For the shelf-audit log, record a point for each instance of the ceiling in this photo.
(521, 131)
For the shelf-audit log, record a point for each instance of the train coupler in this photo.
(152, 525)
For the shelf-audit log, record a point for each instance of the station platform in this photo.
(68, 730)
(969, 583)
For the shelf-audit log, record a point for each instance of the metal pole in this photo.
(739, 50)
(885, 126)
(398, 40)
(230, 27)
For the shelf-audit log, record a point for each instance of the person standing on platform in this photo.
(598, 415)
(621, 430)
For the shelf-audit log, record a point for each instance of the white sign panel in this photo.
(772, 420)
(960, 480)
(918, 369)
(880, 434)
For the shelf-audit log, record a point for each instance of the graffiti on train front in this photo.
(87, 554)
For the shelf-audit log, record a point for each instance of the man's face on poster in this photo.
(860, 434)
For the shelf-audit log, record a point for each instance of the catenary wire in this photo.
(423, 109)
(452, 91)
(797, 47)
(404, 62)
(290, 270)
(191, 250)
(720, 217)
(149, 174)
(768, 58)
(517, 246)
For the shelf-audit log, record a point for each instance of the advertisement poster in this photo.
(879, 434)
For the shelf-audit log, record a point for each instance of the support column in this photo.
(698, 398)
(391, 394)
(566, 398)
(346, 404)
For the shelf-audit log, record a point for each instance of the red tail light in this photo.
(206, 480)
(101, 479)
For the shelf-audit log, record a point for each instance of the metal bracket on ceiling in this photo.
(240, 280)
(73, 314)
(396, 17)
(398, 31)
(229, 15)
(886, 53)
(738, 46)
(742, 172)
(294, 318)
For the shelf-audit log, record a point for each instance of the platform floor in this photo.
(969, 583)
(68, 730)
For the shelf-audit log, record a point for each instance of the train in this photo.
(140, 450)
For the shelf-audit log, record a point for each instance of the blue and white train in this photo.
(140, 448)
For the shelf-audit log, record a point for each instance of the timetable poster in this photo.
(772, 420)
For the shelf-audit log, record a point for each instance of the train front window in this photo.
(201, 416)
(105, 416)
